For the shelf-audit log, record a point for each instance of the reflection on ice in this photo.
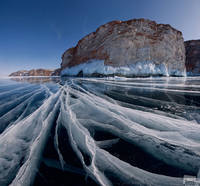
(99, 131)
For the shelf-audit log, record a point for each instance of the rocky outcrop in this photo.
(192, 57)
(56, 72)
(137, 47)
(36, 72)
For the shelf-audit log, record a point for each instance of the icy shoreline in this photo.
(140, 69)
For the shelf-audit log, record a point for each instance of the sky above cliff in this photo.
(35, 33)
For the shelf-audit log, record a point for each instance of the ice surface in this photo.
(111, 130)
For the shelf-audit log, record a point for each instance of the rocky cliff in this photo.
(137, 47)
(56, 72)
(192, 57)
(36, 72)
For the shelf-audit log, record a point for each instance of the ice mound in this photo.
(144, 68)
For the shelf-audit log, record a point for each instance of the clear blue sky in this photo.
(35, 33)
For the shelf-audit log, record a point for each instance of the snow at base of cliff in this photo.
(144, 68)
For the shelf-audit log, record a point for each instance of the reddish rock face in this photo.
(192, 57)
(123, 43)
(40, 72)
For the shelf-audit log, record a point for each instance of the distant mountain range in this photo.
(37, 72)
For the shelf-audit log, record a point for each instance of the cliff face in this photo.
(129, 48)
(34, 72)
(192, 57)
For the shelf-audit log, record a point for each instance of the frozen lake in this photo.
(106, 131)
